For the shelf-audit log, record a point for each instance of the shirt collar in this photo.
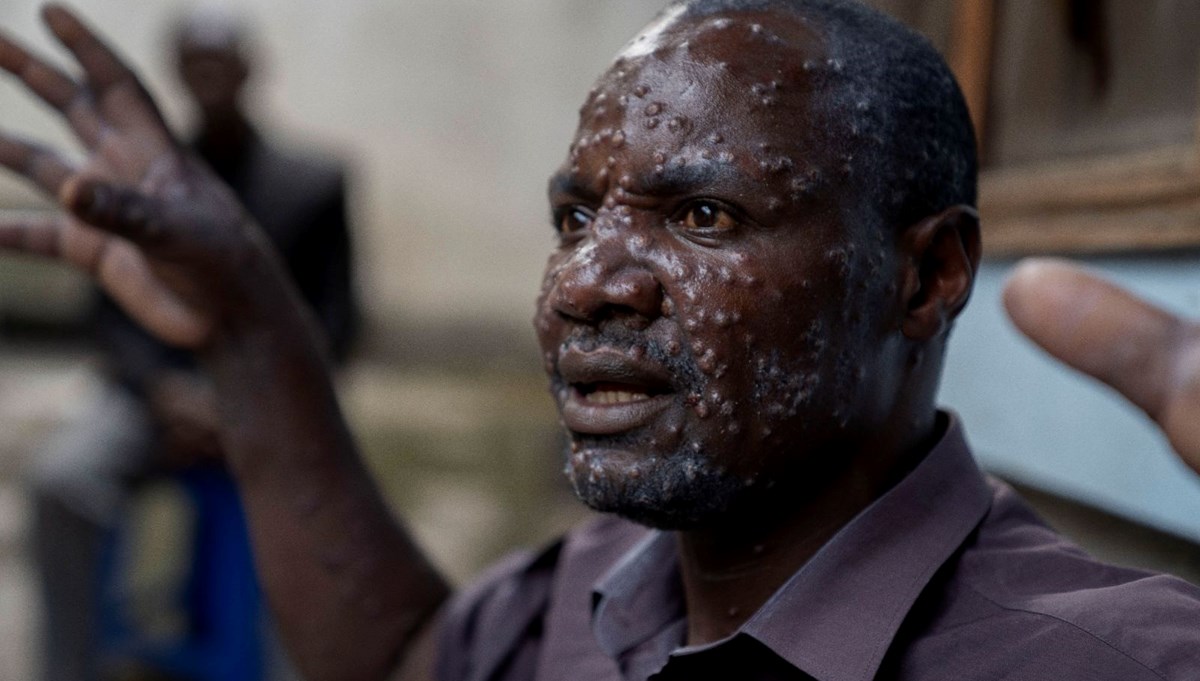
(640, 598)
(837, 616)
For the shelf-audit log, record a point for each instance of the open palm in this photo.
(151, 224)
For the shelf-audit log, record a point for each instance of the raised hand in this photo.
(173, 247)
(1149, 355)
(153, 226)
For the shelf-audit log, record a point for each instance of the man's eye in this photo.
(574, 220)
(707, 216)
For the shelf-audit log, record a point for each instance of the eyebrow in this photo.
(671, 180)
(685, 179)
(568, 184)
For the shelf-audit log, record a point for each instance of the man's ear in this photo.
(941, 257)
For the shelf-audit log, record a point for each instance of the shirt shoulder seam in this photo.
(1073, 625)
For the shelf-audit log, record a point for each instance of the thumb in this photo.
(118, 210)
(155, 299)
(1147, 354)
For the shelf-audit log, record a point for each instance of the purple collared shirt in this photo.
(948, 575)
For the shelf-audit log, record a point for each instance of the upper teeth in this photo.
(616, 396)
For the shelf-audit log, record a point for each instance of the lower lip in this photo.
(591, 418)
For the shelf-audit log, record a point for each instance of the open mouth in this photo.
(610, 392)
(607, 393)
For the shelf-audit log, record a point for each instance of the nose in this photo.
(604, 279)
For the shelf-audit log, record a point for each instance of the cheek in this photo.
(715, 306)
(811, 373)
(780, 347)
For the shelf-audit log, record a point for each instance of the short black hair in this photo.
(892, 107)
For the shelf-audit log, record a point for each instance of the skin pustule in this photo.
(739, 350)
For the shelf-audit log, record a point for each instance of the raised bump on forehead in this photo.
(745, 36)
(736, 56)
(755, 71)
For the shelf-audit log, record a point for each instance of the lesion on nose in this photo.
(595, 291)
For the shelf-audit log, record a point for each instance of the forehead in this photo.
(739, 38)
(740, 72)
(727, 88)
(735, 95)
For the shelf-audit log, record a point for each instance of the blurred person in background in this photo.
(158, 413)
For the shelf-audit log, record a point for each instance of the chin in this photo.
(673, 491)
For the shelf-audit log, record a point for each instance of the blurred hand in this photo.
(152, 225)
(1149, 355)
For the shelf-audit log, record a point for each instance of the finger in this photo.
(115, 86)
(116, 266)
(128, 279)
(38, 235)
(55, 236)
(53, 87)
(103, 68)
(1094, 327)
(117, 210)
(38, 164)
(1147, 354)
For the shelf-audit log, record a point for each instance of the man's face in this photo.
(710, 318)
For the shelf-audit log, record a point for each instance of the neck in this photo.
(730, 571)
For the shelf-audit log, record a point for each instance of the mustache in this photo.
(681, 364)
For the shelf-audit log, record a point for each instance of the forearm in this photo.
(345, 580)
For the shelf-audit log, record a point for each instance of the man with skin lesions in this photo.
(766, 230)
